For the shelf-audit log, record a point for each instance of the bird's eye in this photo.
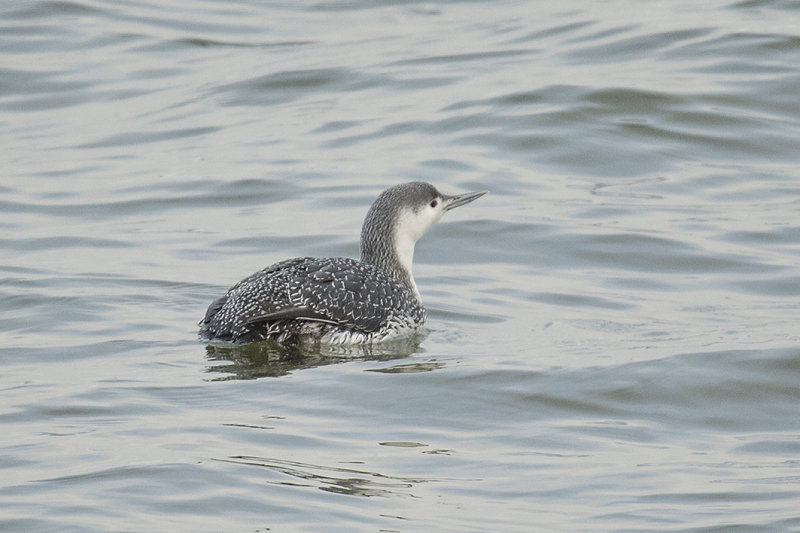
(434, 203)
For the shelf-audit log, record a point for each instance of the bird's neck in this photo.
(393, 254)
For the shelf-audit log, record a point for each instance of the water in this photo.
(613, 339)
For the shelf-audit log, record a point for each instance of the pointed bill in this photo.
(451, 202)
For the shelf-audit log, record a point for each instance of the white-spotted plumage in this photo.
(340, 300)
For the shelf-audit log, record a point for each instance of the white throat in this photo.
(407, 232)
(404, 250)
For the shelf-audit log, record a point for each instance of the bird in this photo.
(340, 300)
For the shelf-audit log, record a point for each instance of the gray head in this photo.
(398, 218)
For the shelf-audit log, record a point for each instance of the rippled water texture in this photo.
(613, 340)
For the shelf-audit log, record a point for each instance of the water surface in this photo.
(612, 341)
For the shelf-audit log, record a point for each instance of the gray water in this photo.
(613, 340)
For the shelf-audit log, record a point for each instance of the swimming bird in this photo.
(340, 300)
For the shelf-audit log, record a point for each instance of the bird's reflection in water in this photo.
(268, 359)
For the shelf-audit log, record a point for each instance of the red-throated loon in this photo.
(340, 300)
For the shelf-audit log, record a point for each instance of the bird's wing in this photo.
(259, 294)
(351, 294)
(291, 313)
(339, 291)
